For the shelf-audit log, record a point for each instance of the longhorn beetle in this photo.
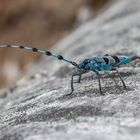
(95, 64)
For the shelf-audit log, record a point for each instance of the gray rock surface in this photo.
(36, 108)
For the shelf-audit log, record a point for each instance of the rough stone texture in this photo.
(36, 108)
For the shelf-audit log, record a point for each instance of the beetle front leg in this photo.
(72, 88)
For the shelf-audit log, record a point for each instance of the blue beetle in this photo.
(95, 64)
(102, 63)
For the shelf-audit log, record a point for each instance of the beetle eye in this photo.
(85, 61)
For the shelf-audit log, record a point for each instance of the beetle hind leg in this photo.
(120, 78)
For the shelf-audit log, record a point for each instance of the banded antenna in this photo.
(48, 53)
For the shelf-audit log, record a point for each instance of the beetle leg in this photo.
(72, 88)
(79, 79)
(112, 78)
(99, 81)
(120, 78)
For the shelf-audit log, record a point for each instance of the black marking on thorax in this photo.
(106, 60)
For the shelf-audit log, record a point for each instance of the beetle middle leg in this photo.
(112, 78)
(79, 79)
(99, 81)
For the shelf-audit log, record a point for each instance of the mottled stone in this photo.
(37, 109)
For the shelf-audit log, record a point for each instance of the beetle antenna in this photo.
(48, 53)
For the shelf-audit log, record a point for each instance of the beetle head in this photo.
(81, 68)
